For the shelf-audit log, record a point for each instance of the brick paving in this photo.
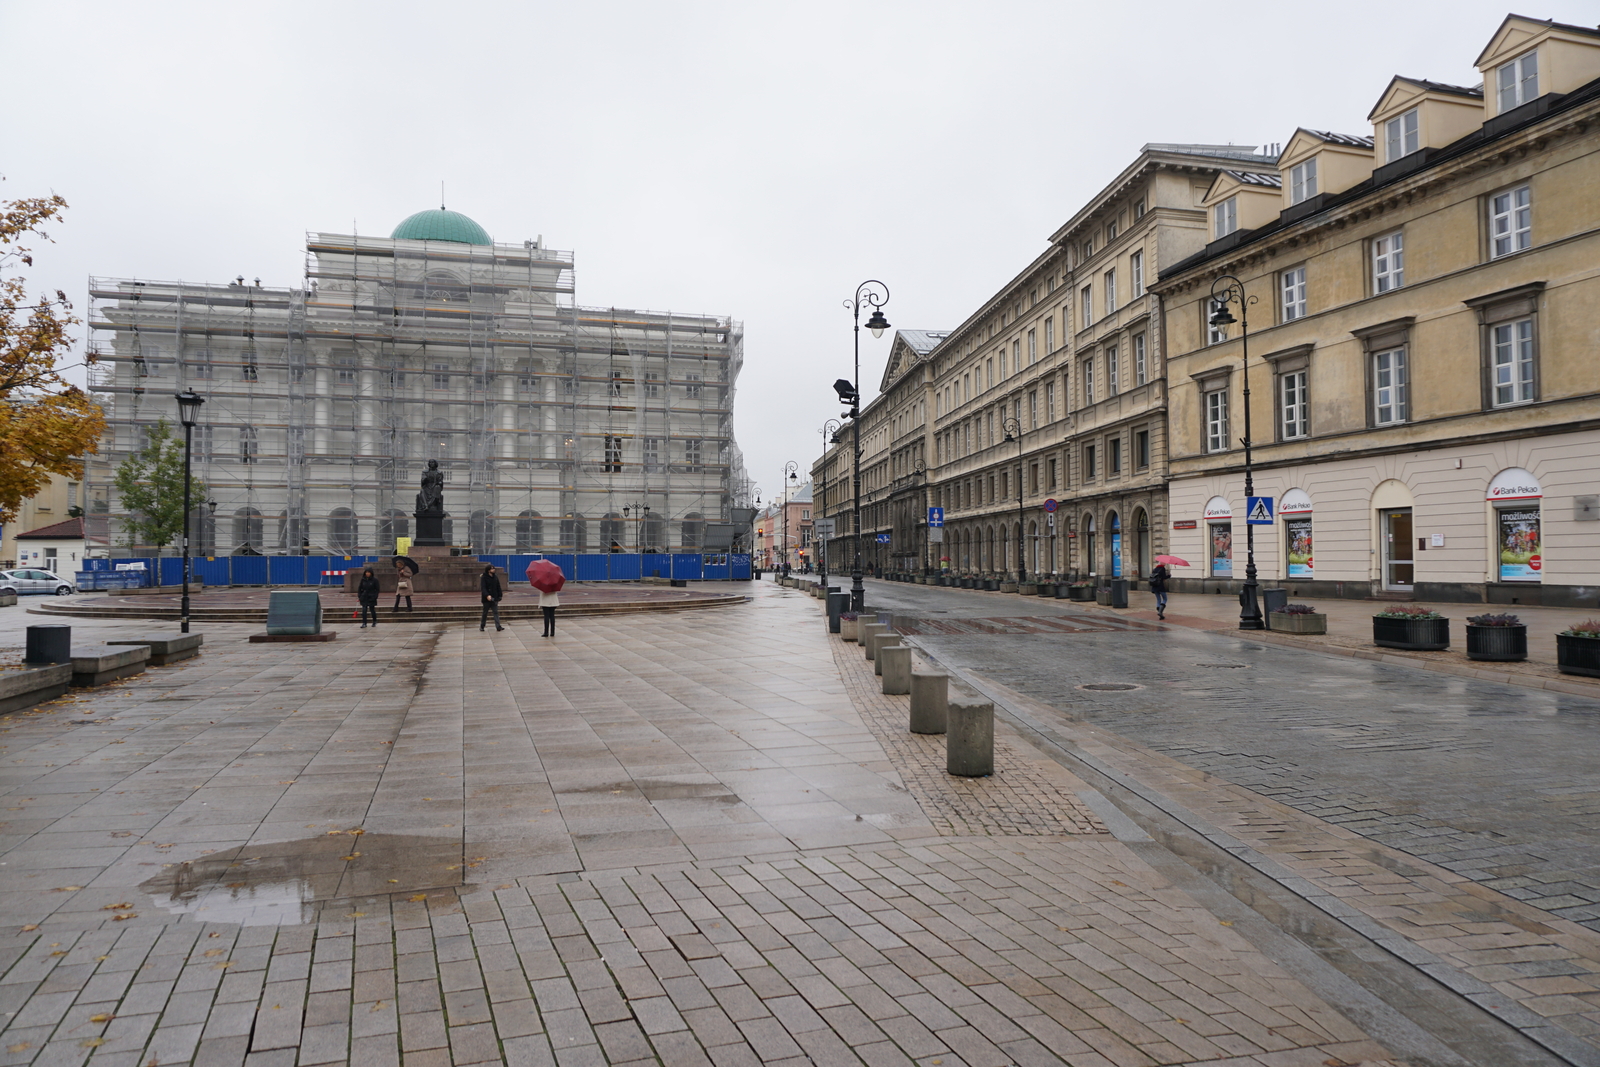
(675, 839)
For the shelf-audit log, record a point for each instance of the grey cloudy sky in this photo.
(751, 159)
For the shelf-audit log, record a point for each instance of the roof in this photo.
(1253, 177)
(923, 341)
(1214, 151)
(441, 225)
(70, 530)
(1446, 87)
(1354, 140)
(1550, 23)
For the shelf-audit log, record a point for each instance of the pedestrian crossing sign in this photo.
(1258, 510)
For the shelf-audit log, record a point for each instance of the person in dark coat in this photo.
(367, 593)
(489, 589)
(1158, 586)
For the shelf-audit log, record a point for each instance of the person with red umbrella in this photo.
(1158, 581)
(547, 578)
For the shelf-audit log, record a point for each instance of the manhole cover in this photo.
(1224, 666)
(1110, 687)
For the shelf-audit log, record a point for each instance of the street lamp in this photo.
(188, 407)
(788, 484)
(1225, 290)
(830, 436)
(851, 395)
(643, 511)
(1013, 429)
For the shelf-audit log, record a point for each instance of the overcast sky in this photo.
(752, 159)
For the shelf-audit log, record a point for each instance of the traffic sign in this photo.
(1258, 510)
(1051, 504)
(936, 516)
(822, 529)
(882, 539)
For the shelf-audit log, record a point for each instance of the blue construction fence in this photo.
(326, 570)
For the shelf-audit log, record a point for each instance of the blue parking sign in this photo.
(936, 516)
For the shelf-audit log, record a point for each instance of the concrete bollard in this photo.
(888, 640)
(864, 633)
(896, 663)
(886, 617)
(929, 696)
(969, 738)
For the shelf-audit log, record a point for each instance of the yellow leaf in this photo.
(122, 915)
(419, 896)
(116, 907)
(353, 855)
(30, 926)
(67, 889)
(93, 1042)
(21, 1046)
(103, 1017)
(214, 951)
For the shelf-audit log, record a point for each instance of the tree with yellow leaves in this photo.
(47, 424)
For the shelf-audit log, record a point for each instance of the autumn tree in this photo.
(151, 484)
(47, 424)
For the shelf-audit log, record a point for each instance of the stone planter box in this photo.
(847, 629)
(1008, 587)
(992, 585)
(8, 600)
(1081, 593)
(1497, 644)
(1413, 635)
(1061, 590)
(1578, 655)
(1045, 589)
(1284, 623)
(25, 688)
(1028, 588)
(1102, 596)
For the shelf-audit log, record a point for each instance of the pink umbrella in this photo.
(1173, 561)
(546, 576)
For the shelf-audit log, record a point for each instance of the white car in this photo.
(25, 580)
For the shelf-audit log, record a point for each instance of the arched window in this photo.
(574, 534)
(480, 529)
(530, 532)
(1089, 562)
(394, 524)
(692, 531)
(1141, 530)
(439, 439)
(1033, 548)
(612, 537)
(247, 532)
(395, 438)
(343, 530)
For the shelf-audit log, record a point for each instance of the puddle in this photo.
(286, 882)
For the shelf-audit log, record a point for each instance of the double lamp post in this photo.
(871, 294)
(1224, 291)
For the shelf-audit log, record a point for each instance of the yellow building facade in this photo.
(1423, 309)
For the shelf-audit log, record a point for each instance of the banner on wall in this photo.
(1222, 550)
(1297, 532)
(1521, 553)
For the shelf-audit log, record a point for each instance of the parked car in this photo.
(26, 580)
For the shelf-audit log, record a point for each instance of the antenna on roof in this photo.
(441, 194)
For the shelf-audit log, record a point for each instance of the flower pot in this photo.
(847, 629)
(1061, 590)
(1082, 593)
(1102, 596)
(1283, 622)
(1045, 589)
(1578, 655)
(1502, 644)
(966, 583)
(992, 585)
(1415, 635)
(1008, 587)
(1028, 588)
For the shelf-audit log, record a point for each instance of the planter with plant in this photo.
(1411, 627)
(1578, 649)
(1500, 638)
(1082, 591)
(847, 625)
(1297, 619)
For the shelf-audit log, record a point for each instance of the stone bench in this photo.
(99, 664)
(166, 648)
(25, 688)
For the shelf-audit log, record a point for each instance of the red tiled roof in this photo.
(72, 528)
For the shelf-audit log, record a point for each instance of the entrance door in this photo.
(1397, 549)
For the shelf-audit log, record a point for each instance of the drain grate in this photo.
(1110, 687)
(1224, 666)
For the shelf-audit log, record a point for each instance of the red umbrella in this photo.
(546, 576)
(1172, 561)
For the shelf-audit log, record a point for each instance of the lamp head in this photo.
(1220, 315)
(189, 406)
(877, 323)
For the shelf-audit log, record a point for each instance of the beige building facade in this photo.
(1424, 303)
(61, 500)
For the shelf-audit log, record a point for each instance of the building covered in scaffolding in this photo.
(560, 428)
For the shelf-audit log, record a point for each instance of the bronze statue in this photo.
(431, 500)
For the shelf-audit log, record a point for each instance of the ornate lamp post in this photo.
(830, 435)
(643, 511)
(1013, 429)
(188, 407)
(1225, 290)
(790, 479)
(867, 295)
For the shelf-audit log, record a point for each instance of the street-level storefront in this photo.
(1471, 525)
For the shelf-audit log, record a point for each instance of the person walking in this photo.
(367, 593)
(548, 603)
(489, 588)
(402, 586)
(1158, 586)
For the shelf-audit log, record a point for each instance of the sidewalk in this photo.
(683, 839)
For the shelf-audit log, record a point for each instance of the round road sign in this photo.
(1051, 504)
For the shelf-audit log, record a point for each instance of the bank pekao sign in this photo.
(1514, 483)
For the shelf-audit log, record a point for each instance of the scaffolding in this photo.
(557, 425)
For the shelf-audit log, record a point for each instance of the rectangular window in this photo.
(1513, 362)
(1141, 449)
(1141, 366)
(1033, 478)
(345, 368)
(652, 384)
(1111, 291)
(249, 447)
(1511, 221)
(1389, 386)
(1303, 181)
(1225, 217)
(1089, 458)
(613, 453)
(1293, 411)
(1400, 136)
(1088, 307)
(1088, 249)
(1292, 286)
(441, 375)
(1518, 81)
(1111, 231)
(1216, 410)
(1050, 401)
(692, 452)
(200, 363)
(1050, 334)
(527, 383)
(1052, 468)
(1215, 335)
(1016, 356)
(1136, 274)
(652, 453)
(1138, 208)
(1113, 371)
(1088, 381)
(691, 388)
(248, 372)
(1033, 347)
(1114, 456)
(1388, 263)
(616, 383)
(1033, 409)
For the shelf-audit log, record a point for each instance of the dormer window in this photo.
(1303, 181)
(1225, 217)
(1518, 81)
(1400, 136)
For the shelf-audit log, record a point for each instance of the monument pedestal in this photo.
(430, 531)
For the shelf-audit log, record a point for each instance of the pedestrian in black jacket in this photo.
(489, 589)
(1158, 586)
(367, 593)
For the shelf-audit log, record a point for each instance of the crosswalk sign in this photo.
(1258, 510)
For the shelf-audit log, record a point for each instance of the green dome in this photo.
(441, 225)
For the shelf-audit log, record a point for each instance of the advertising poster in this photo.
(1520, 552)
(1222, 550)
(1116, 554)
(1298, 532)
